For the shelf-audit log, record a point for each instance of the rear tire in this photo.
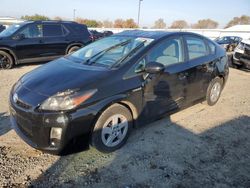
(73, 49)
(112, 128)
(6, 61)
(214, 91)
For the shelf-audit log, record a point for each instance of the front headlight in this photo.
(66, 100)
(240, 46)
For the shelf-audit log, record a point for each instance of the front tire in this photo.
(112, 128)
(214, 91)
(6, 61)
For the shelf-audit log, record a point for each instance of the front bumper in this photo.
(35, 127)
(242, 58)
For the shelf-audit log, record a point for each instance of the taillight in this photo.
(92, 37)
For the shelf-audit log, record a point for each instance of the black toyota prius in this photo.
(110, 86)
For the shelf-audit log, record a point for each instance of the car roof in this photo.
(144, 34)
(48, 21)
(153, 34)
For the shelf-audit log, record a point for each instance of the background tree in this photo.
(89, 23)
(243, 20)
(179, 24)
(159, 24)
(107, 24)
(57, 18)
(35, 17)
(205, 24)
(130, 23)
(118, 23)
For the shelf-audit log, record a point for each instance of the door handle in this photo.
(41, 41)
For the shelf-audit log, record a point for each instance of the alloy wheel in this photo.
(215, 92)
(114, 130)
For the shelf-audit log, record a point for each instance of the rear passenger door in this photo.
(200, 62)
(54, 39)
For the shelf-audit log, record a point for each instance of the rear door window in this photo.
(196, 47)
(211, 47)
(52, 30)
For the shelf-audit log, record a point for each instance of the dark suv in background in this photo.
(37, 41)
(2, 27)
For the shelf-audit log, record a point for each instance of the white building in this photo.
(6, 21)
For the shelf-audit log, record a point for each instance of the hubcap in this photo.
(114, 130)
(215, 92)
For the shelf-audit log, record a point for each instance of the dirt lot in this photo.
(198, 147)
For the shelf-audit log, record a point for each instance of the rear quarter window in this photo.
(196, 47)
(212, 47)
(79, 29)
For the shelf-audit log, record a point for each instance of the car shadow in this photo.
(5, 126)
(165, 155)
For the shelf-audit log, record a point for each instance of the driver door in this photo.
(30, 46)
(166, 91)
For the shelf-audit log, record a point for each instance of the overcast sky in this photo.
(170, 10)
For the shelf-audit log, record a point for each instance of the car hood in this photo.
(246, 41)
(61, 75)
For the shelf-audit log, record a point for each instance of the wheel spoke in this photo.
(107, 130)
(123, 124)
(120, 136)
(115, 120)
(3, 58)
(110, 140)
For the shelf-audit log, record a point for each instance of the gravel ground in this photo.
(200, 146)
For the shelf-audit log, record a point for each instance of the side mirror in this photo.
(19, 37)
(154, 68)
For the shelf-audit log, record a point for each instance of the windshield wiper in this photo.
(129, 54)
(101, 53)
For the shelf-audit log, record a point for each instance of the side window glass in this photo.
(32, 31)
(136, 68)
(140, 66)
(64, 30)
(168, 52)
(52, 30)
(196, 47)
(211, 47)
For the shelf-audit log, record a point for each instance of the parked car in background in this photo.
(107, 87)
(36, 41)
(241, 56)
(228, 42)
(2, 27)
(98, 35)
(107, 33)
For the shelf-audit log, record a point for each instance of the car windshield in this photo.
(10, 30)
(110, 51)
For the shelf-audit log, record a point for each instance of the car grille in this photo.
(24, 126)
(23, 104)
(247, 49)
(237, 55)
